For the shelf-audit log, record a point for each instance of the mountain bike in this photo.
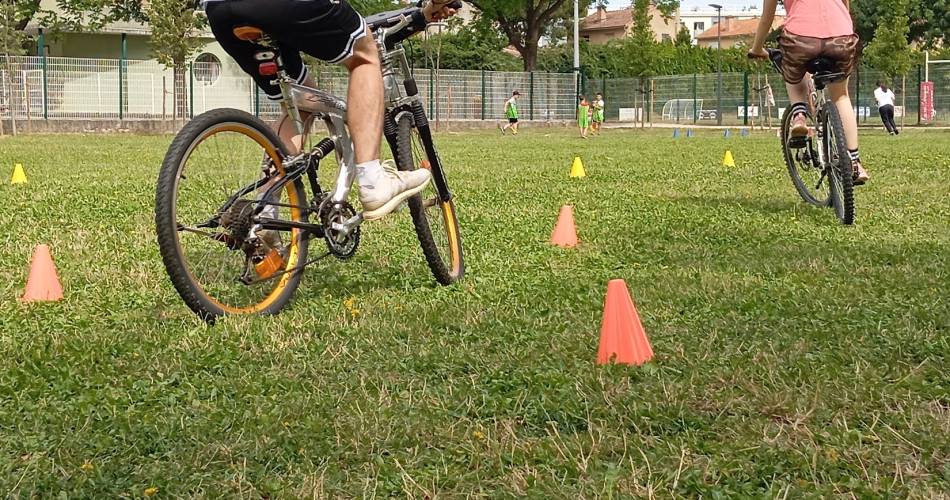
(819, 163)
(232, 212)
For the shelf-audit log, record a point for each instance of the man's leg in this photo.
(890, 118)
(365, 99)
(381, 192)
(883, 111)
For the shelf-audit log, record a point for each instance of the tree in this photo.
(642, 32)
(174, 40)
(683, 37)
(524, 21)
(889, 51)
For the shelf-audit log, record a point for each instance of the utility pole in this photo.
(719, 63)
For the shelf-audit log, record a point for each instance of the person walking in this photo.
(511, 112)
(885, 105)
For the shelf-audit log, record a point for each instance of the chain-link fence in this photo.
(757, 99)
(55, 88)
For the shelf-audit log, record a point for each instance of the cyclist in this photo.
(332, 31)
(812, 29)
(511, 113)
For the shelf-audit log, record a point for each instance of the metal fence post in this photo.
(42, 49)
(531, 95)
(431, 80)
(257, 99)
(745, 97)
(919, 81)
(857, 95)
(695, 103)
(122, 78)
(191, 89)
(483, 94)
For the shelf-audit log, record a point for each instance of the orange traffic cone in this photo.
(622, 339)
(565, 234)
(43, 284)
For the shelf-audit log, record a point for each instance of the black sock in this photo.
(799, 107)
(855, 156)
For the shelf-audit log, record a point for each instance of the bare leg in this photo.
(798, 92)
(838, 92)
(365, 100)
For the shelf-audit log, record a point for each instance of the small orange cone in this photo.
(43, 284)
(622, 339)
(565, 234)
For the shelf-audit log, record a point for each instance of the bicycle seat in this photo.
(248, 33)
(824, 71)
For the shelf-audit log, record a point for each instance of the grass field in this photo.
(794, 357)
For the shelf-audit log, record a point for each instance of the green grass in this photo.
(794, 357)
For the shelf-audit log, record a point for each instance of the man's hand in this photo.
(437, 10)
(758, 53)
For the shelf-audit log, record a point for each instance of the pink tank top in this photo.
(818, 18)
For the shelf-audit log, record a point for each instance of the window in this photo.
(586, 38)
(699, 27)
(207, 68)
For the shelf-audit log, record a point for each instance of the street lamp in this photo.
(719, 63)
(577, 51)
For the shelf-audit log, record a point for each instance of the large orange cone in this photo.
(622, 339)
(43, 284)
(565, 234)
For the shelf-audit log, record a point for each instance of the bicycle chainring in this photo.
(341, 246)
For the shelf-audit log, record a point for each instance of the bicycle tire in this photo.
(447, 264)
(842, 180)
(173, 256)
(789, 154)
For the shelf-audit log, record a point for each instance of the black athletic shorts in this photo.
(512, 120)
(325, 29)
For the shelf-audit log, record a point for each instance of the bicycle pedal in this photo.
(797, 142)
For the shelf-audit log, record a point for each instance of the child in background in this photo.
(598, 114)
(583, 115)
(812, 29)
(511, 113)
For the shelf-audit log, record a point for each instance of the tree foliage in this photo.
(175, 31)
(524, 22)
(889, 51)
(930, 25)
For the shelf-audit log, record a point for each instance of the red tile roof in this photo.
(736, 28)
(613, 20)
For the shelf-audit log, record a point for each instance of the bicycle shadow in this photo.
(769, 206)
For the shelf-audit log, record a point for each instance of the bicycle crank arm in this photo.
(346, 227)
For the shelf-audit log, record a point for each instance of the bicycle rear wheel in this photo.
(838, 165)
(804, 166)
(208, 206)
(435, 221)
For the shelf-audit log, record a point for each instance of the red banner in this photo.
(927, 111)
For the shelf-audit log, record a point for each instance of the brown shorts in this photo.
(798, 51)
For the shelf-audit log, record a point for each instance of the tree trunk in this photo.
(530, 56)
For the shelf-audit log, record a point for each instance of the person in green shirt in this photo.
(511, 112)
(598, 121)
(583, 115)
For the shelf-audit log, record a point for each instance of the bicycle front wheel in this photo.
(838, 165)
(435, 220)
(209, 206)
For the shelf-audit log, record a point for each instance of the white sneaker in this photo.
(392, 188)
